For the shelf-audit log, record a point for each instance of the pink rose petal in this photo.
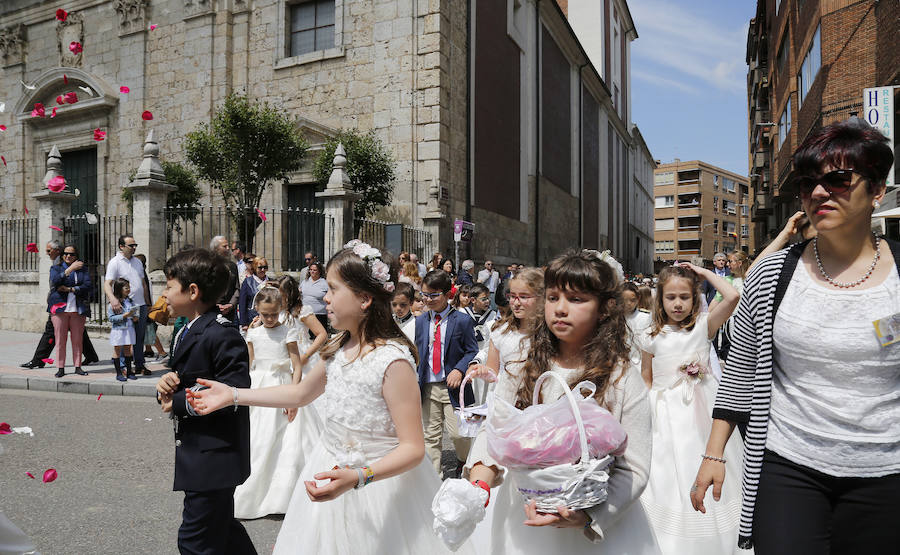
(99, 135)
(61, 14)
(65, 79)
(124, 90)
(26, 210)
(4, 163)
(31, 247)
(38, 111)
(147, 115)
(2, 128)
(261, 215)
(5, 429)
(153, 26)
(30, 475)
(57, 184)
(50, 475)
(75, 47)
(98, 396)
(53, 114)
(60, 100)
(47, 360)
(53, 310)
(70, 98)
(57, 228)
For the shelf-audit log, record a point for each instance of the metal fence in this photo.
(394, 237)
(281, 235)
(15, 235)
(97, 239)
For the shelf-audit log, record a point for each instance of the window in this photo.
(715, 204)
(781, 59)
(745, 209)
(728, 206)
(715, 246)
(715, 182)
(784, 124)
(312, 27)
(664, 178)
(667, 201)
(665, 246)
(715, 226)
(728, 185)
(812, 62)
(665, 225)
(745, 230)
(728, 228)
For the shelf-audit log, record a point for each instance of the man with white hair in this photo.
(228, 303)
(467, 275)
(414, 258)
(720, 267)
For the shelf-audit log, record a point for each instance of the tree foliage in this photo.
(245, 147)
(370, 167)
(185, 197)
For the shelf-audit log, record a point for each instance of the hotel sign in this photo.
(878, 109)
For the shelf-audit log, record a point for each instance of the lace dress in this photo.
(682, 418)
(303, 343)
(278, 448)
(387, 516)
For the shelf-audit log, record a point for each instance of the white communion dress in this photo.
(681, 407)
(392, 515)
(278, 448)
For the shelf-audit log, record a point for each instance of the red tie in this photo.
(436, 352)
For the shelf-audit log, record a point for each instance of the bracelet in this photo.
(234, 398)
(364, 477)
(483, 485)
(711, 458)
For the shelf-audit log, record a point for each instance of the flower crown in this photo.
(605, 256)
(372, 257)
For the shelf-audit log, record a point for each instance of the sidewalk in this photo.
(18, 347)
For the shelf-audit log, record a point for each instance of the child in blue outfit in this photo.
(121, 336)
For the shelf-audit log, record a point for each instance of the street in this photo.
(114, 491)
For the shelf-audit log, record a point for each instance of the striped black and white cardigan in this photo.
(745, 392)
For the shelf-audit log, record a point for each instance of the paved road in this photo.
(114, 492)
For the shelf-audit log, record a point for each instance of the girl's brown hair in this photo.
(645, 298)
(533, 279)
(745, 262)
(660, 318)
(411, 271)
(378, 324)
(268, 293)
(290, 294)
(605, 350)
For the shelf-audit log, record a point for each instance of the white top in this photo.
(303, 340)
(835, 391)
(490, 278)
(130, 269)
(408, 327)
(271, 343)
(509, 345)
(638, 325)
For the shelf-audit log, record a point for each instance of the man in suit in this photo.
(212, 452)
(228, 302)
(45, 345)
(720, 267)
(446, 343)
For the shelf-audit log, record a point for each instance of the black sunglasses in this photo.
(262, 267)
(834, 182)
(132, 245)
(70, 254)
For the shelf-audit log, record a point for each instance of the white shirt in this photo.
(130, 269)
(490, 278)
(432, 328)
(408, 327)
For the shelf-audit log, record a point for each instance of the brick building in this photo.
(700, 210)
(494, 110)
(808, 63)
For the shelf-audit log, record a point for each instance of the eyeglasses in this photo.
(70, 254)
(834, 182)
(132, 245)
(262, 267)
(521, 298)
(307, 259)
(432, 295)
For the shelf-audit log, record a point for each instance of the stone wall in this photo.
(24, 302)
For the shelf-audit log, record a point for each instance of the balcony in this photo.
(760, 160)
(762, 207)
(689, 235)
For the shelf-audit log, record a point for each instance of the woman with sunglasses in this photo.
(258, 276)
(68, 305)
(814, 389)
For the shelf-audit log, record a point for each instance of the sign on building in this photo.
(878, 109)
(463, 230)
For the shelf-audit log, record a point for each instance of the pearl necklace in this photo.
(853, 283)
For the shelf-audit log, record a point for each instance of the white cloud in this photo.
(682, 47)
(660, 81)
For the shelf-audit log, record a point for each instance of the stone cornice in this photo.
(42, 13)
(12, 45)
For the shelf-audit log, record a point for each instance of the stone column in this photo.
(338, 198)
(150, 191)
(53, 209)
(434, 221)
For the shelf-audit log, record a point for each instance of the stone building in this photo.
(494, 111)
(808, 63)
(700, 210)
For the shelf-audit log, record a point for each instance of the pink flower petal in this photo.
(124, 90)
(57, 228)
(60, 100)
(50, 341)
(30, 475)
(99, 135)
(50, 475)
(98, 396)
(147, 115)
(38, 111)
(75, 47)
(47, 360)
(53, 114)
(70, 98)
(5, 429)
(2, 128)
(61, 14)
(4, 163)
(65, 79)
(31, 247)
(57, 184)
(26, 210)
(153, 26)
(53, 310)
(261, 215)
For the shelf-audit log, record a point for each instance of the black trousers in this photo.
(46, 345)
(208, 526)
(801, 511)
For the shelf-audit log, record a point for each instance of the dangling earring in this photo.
(877, 204)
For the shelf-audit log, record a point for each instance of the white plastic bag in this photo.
(458, 507)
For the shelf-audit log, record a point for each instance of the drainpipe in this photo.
(537, 133)
(581, 154)
(469, 54)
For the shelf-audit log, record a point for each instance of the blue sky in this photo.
(688, 78)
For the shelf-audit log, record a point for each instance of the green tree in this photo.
(244, 148)
(185, 197)
(370, 167)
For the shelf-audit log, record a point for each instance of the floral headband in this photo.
(372, 256)
(605, 256)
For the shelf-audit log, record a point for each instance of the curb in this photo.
(62, 385)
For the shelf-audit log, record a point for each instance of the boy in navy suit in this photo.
(446, 343)
(212, 453)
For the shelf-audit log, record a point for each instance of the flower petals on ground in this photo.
(75, 47)
(49, 475)
(31, 247)
(57, 183)
(61, 14)
(147, 115)
(99, 135)
(5, 429)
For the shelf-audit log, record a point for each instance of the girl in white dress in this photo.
(638, 320)
(354, 499)
(280, 439)
(676, 368)
(579, 331)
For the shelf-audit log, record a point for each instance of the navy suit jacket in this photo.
(709, 291)
(459, 348)
(211, 452)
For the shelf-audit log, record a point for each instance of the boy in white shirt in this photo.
(401, 306)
